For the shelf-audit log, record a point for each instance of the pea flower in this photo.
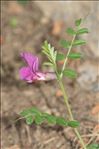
(31, 72)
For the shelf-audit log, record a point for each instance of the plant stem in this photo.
(70, 113)
(66, 58)
(66, 100)
(59, 78)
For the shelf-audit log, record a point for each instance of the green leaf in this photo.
(30, 111)
(39, 119)
(73, 124)
(78, 22)
(61, 121)
(82, 31)
(65, 43)
(93, 146)
(70, 73)
(50, 118)
(34, 115)
(13, 22)
(79, 42)
(75, 55)
(47, 64)
(23, 1)
(60, 57)
(49, 51)
(71, 31)
(29, 120)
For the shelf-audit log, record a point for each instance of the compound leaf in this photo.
(47, 64)
(49, 118)
(73, 124)
(49, 51)
(75, 55)
(78, 22)
(30, 111)
(71, 31)
(70, 73)
(93, 146)
(82, 31)
(39, 119)
(79, 42)
(65, 44)
(60, 57)
(29, 120)
(34, 115)
(61, 121)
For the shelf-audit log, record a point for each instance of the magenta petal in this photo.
(25, 74)
(45, 76)
(29, 79)
(50, 76)
(35, 65)
(40, 76)
(31, 73)
(31, 60)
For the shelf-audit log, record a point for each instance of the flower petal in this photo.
(25, 74)
(31, 60)
(40, 76)
(46, 76)
(35, 65)
(50, 76)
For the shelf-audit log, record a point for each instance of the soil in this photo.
(30, 29)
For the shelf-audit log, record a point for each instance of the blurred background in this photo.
(25, 26)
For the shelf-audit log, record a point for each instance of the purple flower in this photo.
(31, 72)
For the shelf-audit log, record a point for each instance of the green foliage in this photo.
(39, 119)
(50, 118)
(29, 119)
(30, 111)
(75, 55)
(65, 44)
(82, 31)
(34, 115)
(79, 42)
(49, 52)
(47, 64)
(73, 124)
(61, 121)
(93, 146)
(78, 22)
(13, 22)
(70, 73)
(60, 57)
(22, 1)
(71, 31)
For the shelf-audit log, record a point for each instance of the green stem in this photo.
(70, 113)
(66, 58)
(66, 100)
(59, 78)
